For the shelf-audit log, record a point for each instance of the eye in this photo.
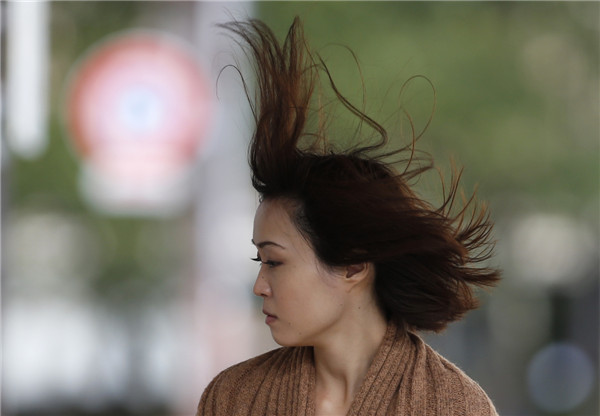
(269, 263)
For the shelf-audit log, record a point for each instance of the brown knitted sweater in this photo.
(406, 377)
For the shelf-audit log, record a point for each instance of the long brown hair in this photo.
(351, 205)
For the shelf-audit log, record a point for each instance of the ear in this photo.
(359, 272)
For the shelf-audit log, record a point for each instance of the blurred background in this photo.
(127, 208)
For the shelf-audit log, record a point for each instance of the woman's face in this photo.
(303, 299)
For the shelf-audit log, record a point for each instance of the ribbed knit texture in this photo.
(406, 378)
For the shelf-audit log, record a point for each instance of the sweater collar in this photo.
(380, 383)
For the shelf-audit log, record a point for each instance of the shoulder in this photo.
(241, 371)
(452, 389)
(238, 385)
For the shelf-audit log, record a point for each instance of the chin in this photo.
(284, 342)
(289, 341)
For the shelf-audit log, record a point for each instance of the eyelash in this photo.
(269, 263)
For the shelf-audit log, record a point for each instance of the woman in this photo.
(352, 262)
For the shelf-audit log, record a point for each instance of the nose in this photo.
(261, 286)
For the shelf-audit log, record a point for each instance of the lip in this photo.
(270, 317)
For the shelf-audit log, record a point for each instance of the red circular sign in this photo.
(139, 93)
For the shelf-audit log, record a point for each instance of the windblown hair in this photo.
(352, 206)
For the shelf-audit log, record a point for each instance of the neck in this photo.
(342, 363)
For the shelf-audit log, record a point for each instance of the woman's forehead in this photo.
(272, 218)
(272, 223)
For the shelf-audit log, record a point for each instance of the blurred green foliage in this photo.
(515, 130)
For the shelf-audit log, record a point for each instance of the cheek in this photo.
(307, 290)
(320, 298)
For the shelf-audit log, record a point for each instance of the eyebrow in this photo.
(267, 243)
